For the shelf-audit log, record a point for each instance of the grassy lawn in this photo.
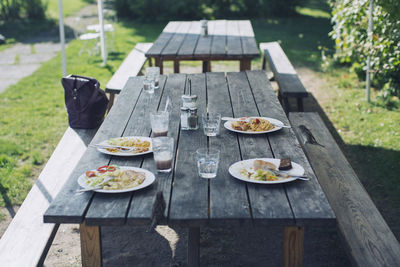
(33, 117)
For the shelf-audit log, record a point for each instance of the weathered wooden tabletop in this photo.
(192, 201)
(226, 40)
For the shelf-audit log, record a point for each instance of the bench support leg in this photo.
(159, 63)
(176, 66)
(111, 101)
(263, 65)
(90, 245)
(300, 104)
(206, 66)
(245, 64)
(293, 246)
(193, 252)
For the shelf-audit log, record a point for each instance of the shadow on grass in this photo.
(377, 169)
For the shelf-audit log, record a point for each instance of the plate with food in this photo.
(253, 125)
(266, 170)
(116, 179)
(126, 146)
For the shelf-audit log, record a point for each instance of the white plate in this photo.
(126, 153)
(275, 122)
(148, 181)
(235, 168)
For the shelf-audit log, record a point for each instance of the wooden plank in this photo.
(90, 245)
(307, 200)
(163, 39)
(368, 237)
(257, 146)
(69, 207)
(189, 44)
(143, 201)
(286, 76)
(189, 199)
(131, 66)
(249, 43)
(107, 209)
(293, 246)
(27, 234)
(218, 33)
(228, 197)
(176, 41)
(233, 43)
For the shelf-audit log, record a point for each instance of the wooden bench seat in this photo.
(285, 75)
(368, 238)
(131, 66)
(27, 239)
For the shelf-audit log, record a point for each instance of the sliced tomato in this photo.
(106, 168)
(90, 174)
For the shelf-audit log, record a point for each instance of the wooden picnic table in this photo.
(226, 40)
(181, 197)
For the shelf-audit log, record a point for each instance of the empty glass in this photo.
(148, 85)
(153, 73)
(211, 122)
(163, 148)
(207, 162)
(159, 123)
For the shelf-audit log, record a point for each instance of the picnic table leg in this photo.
(206, 66)
(159, 63)
(90, 245)
(293, 246)
(300, 104)
(194, 247)
(176, 66)
(150, 61)
(245, 64)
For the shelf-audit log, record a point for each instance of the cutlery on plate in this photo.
(249, 120)
(128, 148)
(98, 186)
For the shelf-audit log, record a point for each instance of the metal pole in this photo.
(62, 38)
(102, 35)
(368, 73)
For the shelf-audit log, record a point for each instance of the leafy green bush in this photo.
(17, 9)
(350, 24)
(161, 10)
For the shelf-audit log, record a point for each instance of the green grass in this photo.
(69, 7)
(33, 117)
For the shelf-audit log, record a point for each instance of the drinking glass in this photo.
(159, 123)
(148, 85)
(211, 122)
(207, 162)
(153, 73)
(163, 148)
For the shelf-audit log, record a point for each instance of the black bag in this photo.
(86, 103)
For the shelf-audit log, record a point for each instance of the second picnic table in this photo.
(182, 197)
(226, 40)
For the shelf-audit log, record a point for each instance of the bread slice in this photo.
(263, 165)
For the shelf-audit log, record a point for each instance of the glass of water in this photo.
(153, 73)
(207, 162)
(148, 85)
(211, 122)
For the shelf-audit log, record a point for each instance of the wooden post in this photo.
(206, 66)
(159, 63)
(176, 66)
(293, 246)
(90, 245)
(245, 64)
(193, 252)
